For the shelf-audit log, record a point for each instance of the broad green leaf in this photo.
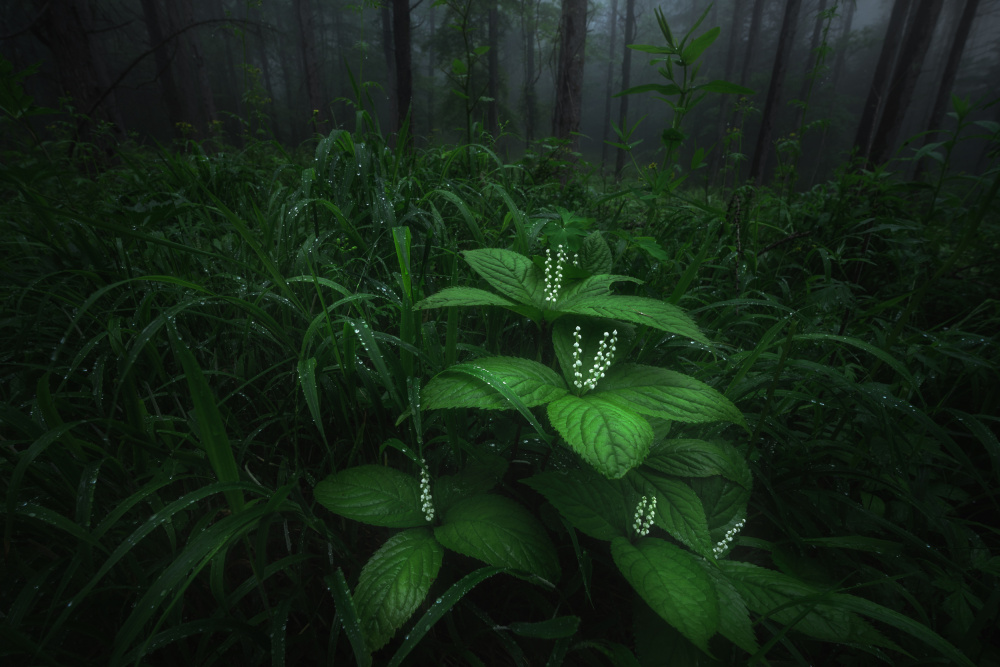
(672, 583)
(394, 582)
(372, 494)
(498, 531)
(462, 296)
(593, 504)
(589, 288)
(724, 501)
(641, 310)
(458, 67)
(663, 89)
(498, 385)
(734, 617)
(611, 439)
(595, 255)
(678, 510)
(659, 392)
(533, 383)
(553, 628)
(697, 458)
(693, 50)
(510, 273)
(800, 605)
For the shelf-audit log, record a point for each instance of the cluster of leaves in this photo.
(205, 353)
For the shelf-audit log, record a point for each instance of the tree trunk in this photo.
(904, 78)
(431, 113)
(528, 27)
(812, 60)
(771, 104)
(493, 92)
(206, 97)
(735, 32)
(955, 51)
(404, 66)
(752, 34)
(164, 71)
(310, 63)
(265, 68)
(626, 81)
(609, 82)
(66, 28)
(390, 65)
(569, 77)
(845, 36)
(233, 77)
(883, 70)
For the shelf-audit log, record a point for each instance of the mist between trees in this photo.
(863, 75)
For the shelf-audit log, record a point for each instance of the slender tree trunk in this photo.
(431, 112)
(955, 51)
(845, 36)
(754, 32)
(204, 99)
(390, 65)
(528, 24)
(164, 71)
(404, 65)
(569, 77)
(771, 104)
(265, 68)
(66, 28)
(812, 60)
(288, 29)
(626, 81)
(609, 82)
(735, 32)
(904, 78)
(880, 82)
(493, 62)
(310, 63)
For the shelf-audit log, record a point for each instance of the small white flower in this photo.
(602, 360)
(426, 502)
(731, 534)
(554, 273)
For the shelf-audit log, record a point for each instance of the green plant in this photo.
(682, 94)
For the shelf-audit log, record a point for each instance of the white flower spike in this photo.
(426, 502)
(644, 514)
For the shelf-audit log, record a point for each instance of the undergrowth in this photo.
(197, 337)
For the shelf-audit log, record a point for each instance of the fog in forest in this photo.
(486, 71)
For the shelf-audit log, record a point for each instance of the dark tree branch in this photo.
(31, 23)
(142, 56)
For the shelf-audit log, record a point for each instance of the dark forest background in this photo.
(158, 69)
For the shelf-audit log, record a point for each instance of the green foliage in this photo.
(680, 55)
(325, 407)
